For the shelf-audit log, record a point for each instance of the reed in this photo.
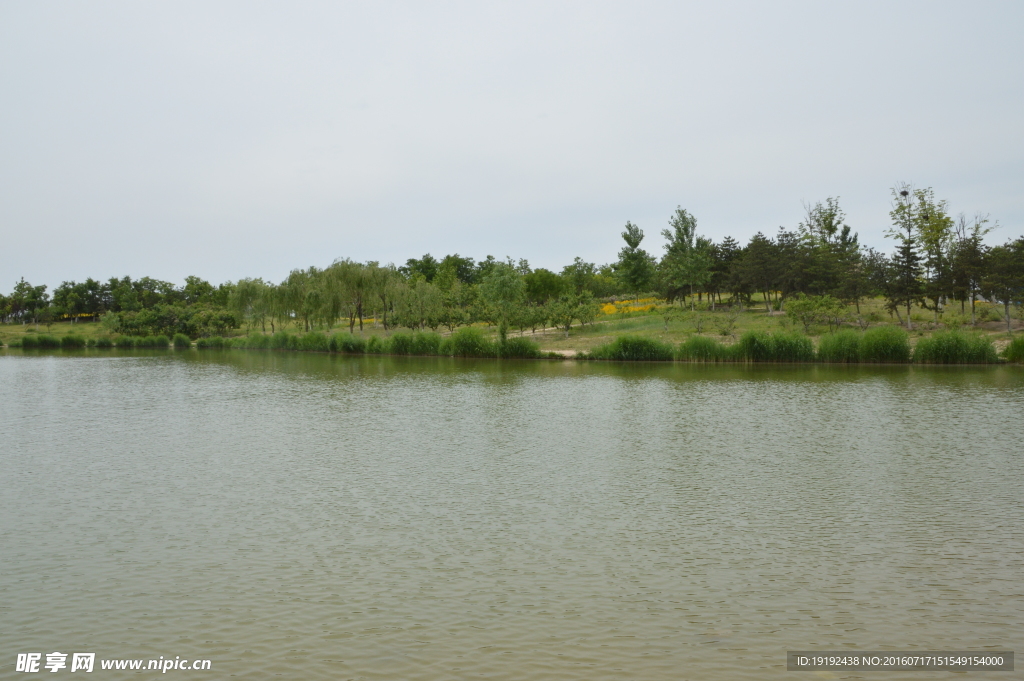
(1015, 350)
(213, 343)
(104, 343)
(314, 341)
(841, 347)
(181, 341)
(347, 342)
(519, 348)
(72, 342)
(701, 349)
(885, 344)
(955, 347)
(29, 342)
(125, 342)
(634, 349)
(471, 342)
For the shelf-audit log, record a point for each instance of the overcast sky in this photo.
(234, 139)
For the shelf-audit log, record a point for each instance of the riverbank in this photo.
(877, 345)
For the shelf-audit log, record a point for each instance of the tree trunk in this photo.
(1006, 308)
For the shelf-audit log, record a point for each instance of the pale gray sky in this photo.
(232, 139)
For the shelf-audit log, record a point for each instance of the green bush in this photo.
(1015, 350)
(47, 341)
(840, 347)
(792, 347)
(29, 342)
(181, 341)
(72, 342)
(162, 341)
(314, 341)
(212, 343)
(885, 344)
(471, 342)
(347, 342)
(701, 349)
(520, 347)
(125, 342)
(634, 349)
(282, 340)
(756, 346)
(955, 347)
(91, 343)
(424, 343)
(104, 343)
(399, 344)
(375, 346)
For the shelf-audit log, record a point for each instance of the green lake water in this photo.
(306, 516)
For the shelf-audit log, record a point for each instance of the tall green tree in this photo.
(635, 267)
(688, 258)
(906, 289)
(1004, 276)
(503, 292)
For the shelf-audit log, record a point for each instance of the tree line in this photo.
(939, 260)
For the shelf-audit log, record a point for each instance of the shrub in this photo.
(104, 343)
(212, 343)
(14, 343)
(181, 341)
(955, 347)
(282, 341)
(1015, 350)
(47, 341)
(314, 341)
(162, 341)
(125, 342)
(840, 347)
(72, 342)
(701, 349)
(91, 343)
(471, 342)
(347, 342)
(634, 349)
(756, 346)
(426, 344)
(792, 347)
(885, 344)
(400, 344)
(375, 346)
(254, 341)
(29, 342)
(522, 348)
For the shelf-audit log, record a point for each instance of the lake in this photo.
(310, 516)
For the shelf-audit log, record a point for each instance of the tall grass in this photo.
(314, 341)
(471, 342)
(72, 342)
(347, 342)
(152, 342)
(125, 342)
(181, 341)
(42, 341)
(840, 347)
(520, 348)
(1015, 350)
(885, 344)
(703, 349)
(634, 349)
(213, 343)
(955, 347)
(758, 346)
(104, 343)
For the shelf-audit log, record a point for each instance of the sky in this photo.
(247, 139)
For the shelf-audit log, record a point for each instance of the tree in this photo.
(967, 259)
(905, 289)
(542, 285)
(503, 291)
(758, 268)
(688, 258)
(1004, 277)
(635, 267)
